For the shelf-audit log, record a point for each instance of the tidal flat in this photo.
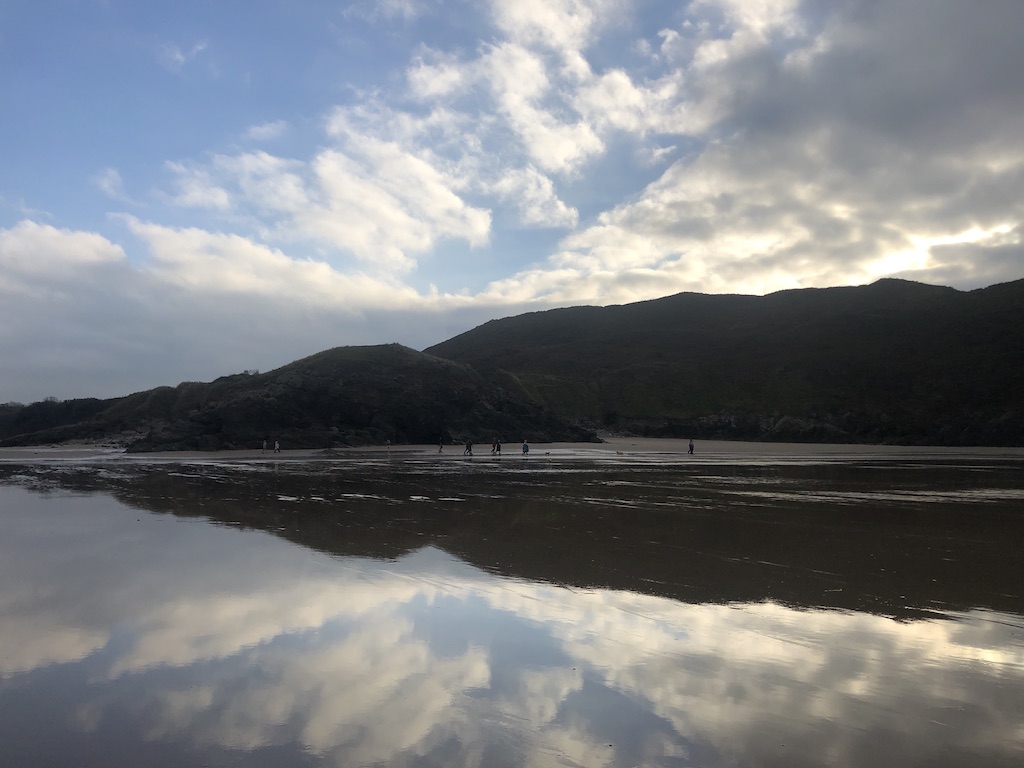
(613, 605)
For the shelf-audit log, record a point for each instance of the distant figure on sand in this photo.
(497, 446)
(526, 447)
(440, 445)
(277, 446)
(469, 448)
(264, 447)
(690, 450)
(388, 443)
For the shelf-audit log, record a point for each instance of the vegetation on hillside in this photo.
(894, 361)
(344, 396)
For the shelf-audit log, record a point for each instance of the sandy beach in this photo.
(610, 446)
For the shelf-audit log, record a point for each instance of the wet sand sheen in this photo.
(800, 605)
(609, 446)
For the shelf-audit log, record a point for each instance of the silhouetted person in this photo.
(264, 447)
(526, 447)
(497, 446)
(690, 449)
(469, 448)
(277, 446)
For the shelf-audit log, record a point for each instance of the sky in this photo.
(195, 188)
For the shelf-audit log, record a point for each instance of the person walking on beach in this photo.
(277, 446)
(526, 448)
(264, 447)
(440, 445)
(497, 446)
(469, 448)
(690, 449)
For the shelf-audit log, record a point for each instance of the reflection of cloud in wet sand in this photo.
(371, 694)
(369, 662)
(741, 679)
(26, 643)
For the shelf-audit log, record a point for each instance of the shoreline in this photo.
(612, 446)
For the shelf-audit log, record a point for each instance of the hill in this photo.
(894, 361)
(344, 396)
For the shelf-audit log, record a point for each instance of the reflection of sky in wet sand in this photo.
(237, 640)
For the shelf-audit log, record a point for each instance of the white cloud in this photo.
(270, 184)
(800, 185)
(267, 131)
(434, 75)
(196, 189)
(567, 26)
(613, 100)
(534, 195)
(30, 250)
(387, 206)
(208, 263)
(519, 82)
(173, 57)
(109, 182)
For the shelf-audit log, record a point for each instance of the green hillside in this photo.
(344, 396)
(894, 361)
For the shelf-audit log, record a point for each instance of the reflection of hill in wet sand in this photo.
(890, 531)
(146, 642)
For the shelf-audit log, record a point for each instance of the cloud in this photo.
(386, 204)
(385, 200)
(436, 75)
(267, 131)
(718, 146)
(566, 26)
(109, 182)
(534, 195)
(202, 262)
(519, 83)
(838, 146)
(197, 189)
(174, 58)
(31, 250)
(189, 303)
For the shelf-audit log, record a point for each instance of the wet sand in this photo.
(610, 446)
(619, 604)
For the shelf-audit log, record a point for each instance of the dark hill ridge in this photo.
(344, 396)
(893, 361)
